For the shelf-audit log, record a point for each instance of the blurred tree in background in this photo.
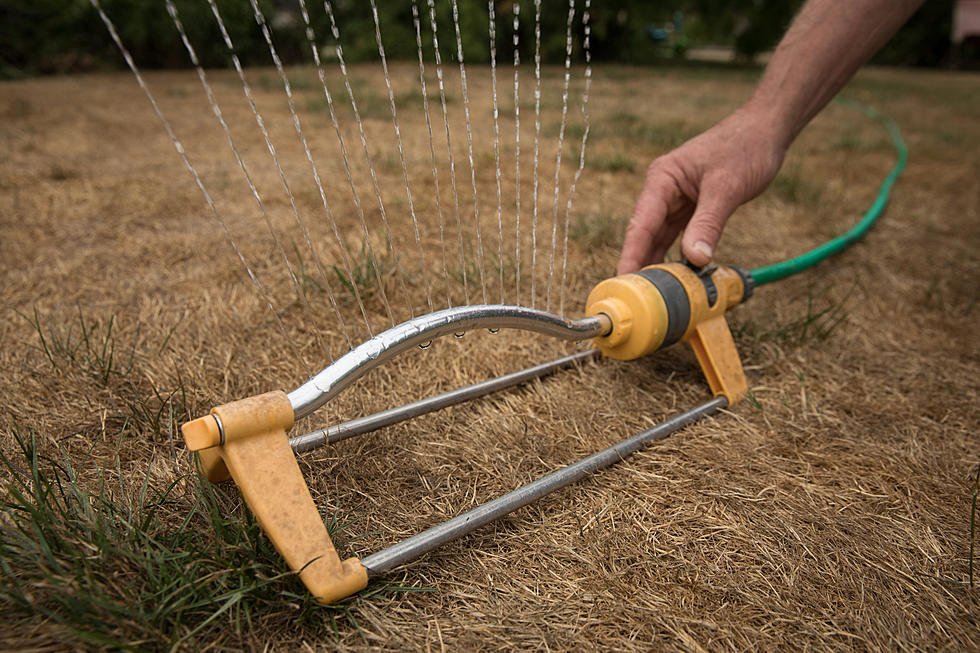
(61, 36)
(925, 39)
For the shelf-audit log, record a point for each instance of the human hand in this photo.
(697, 187)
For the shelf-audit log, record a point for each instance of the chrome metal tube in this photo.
(416, 546)
(384, 346)
(309, 441)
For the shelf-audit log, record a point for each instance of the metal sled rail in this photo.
(361, 425)
(418, 545)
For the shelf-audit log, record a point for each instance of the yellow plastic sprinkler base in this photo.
(246, 440)
(671, 302)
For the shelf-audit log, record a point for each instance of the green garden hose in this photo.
(783, 269)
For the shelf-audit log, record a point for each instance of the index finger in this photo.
(659, 197)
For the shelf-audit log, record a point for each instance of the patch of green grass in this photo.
(317, 102)
(666, 135)
(819, 320)
(363, 281)
(613, 163)
(492, 267)
(619, 72)
(617, 162)
(61, 172)
(309, 282)
(547, 103)
(86, 345)
(159, 567)
(851, 140)
(88, 348)
(628, 126)
(385, 160)
(949, 137)
(793, 187)
(573, 131)
(597, 230)
(413, 99)
(272, 82)
(373, 106)
(623, 119)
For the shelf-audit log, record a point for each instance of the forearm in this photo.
(697, 187)
(825, 45)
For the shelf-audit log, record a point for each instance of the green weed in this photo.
(623, 119)
(89, 347)
(666, 136)
(309, 282)
(369, 104)
(614, 163)
(363, 280)
(373, 106)
(413, 99)
(318, 104)
(492, 265)
(793, 187)
(386, 161)
(296, 83)
(573, 131)
(85, 345)
(851, 140)
(597, 230)
(154, 567)
(61, 172)
(816, 324)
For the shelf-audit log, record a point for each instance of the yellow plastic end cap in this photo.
(201, 433)
(619, 314)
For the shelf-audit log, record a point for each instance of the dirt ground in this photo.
(829, 511)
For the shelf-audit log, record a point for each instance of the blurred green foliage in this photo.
(924, 40)
(750, 26)
(60, 36)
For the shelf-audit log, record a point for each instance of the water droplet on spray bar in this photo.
(425, 345)
(494, 331)
(460, 334)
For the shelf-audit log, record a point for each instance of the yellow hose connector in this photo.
(671, 302)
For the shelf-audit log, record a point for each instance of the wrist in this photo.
(771, 118)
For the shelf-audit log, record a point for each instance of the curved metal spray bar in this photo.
(418, 331)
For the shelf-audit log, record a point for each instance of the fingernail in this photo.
(704, 248)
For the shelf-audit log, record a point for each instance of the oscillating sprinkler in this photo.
(673, 302)
(628, 316)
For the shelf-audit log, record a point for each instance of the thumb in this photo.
(703, 232)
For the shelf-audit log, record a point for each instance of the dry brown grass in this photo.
(831, 512)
